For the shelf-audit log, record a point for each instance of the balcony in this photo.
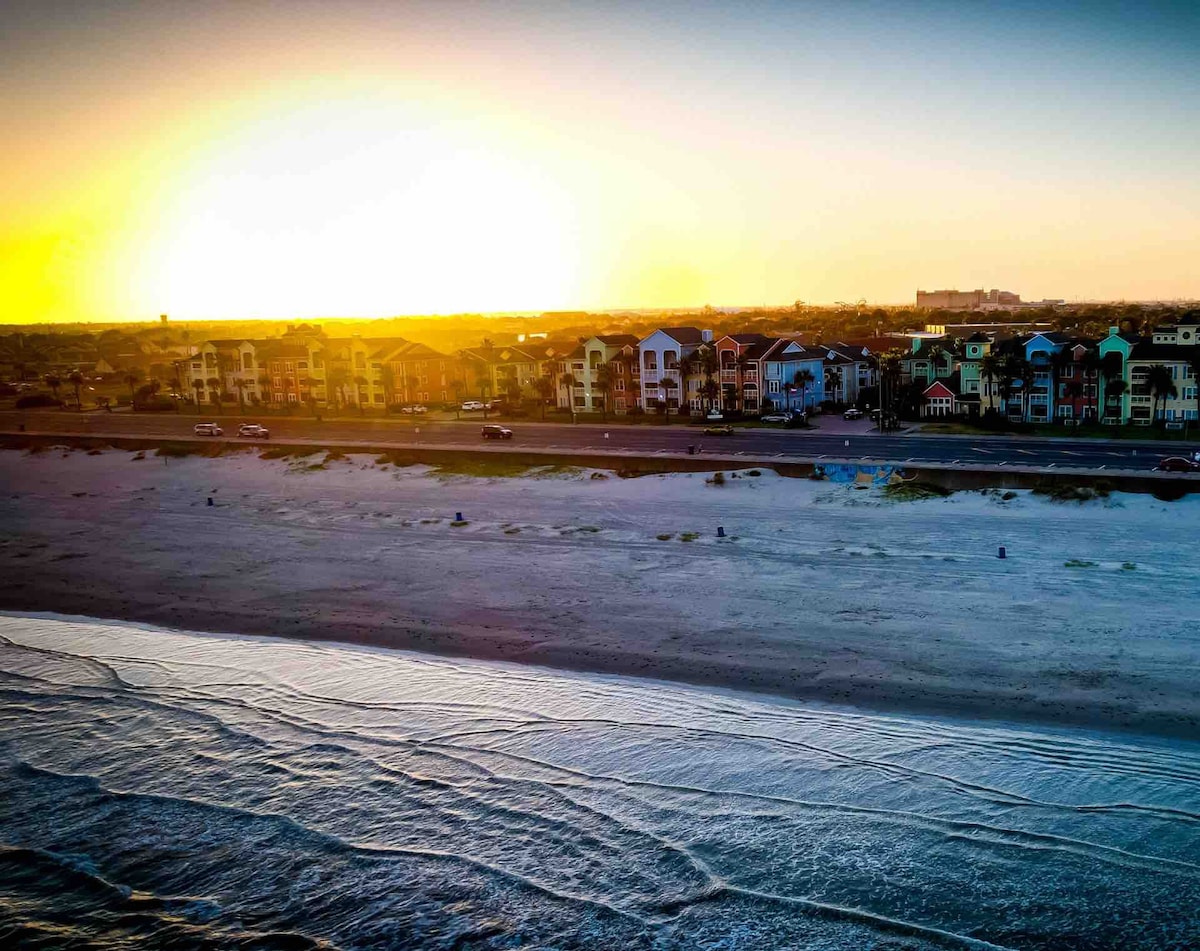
(729, 376)
(749, 376)
(650, 375)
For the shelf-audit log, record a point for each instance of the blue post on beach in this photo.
(720, 531)
(458, 516)
(1003, 552)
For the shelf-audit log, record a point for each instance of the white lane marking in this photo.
(1025, 452)
(1051, 465)
(986, 452)
(1103, 467)
(1067, 452)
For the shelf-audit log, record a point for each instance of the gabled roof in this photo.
(618, 340)
(947, 387)
(684, 335)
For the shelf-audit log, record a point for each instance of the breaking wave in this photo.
(177, 790)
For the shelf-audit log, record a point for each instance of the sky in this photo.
(357, 158)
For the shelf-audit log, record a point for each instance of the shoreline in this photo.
(369, 559)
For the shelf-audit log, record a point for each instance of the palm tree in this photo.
(1194, 363)
(667, 383)
(936, 352)
(54, 382)
(512, 391)
(214, 385)
(76, 380)
(1108, 370)
(387, 378)
(545, 389)
(359, 383)
(833, 382)
(568, 380)
(240, 385)
(991, 367)
(604, 382)
(133, 378)
(1025, 373)
(803, 379)
(336, 378)
(1162, 386)
(198, 386)
(1117, 388)
(1060, 362)
(710, 390)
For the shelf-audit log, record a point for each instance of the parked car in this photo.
(776, 417)
(472, 405)
(492, 431)
(852, 414)
(1177, 464)
(208, 429)
(253, 431)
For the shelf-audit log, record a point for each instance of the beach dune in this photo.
(817, 591)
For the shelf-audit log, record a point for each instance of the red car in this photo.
(1177, 464)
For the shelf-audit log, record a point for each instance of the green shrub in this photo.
(914, 491)
(717, 478)
(37, 400)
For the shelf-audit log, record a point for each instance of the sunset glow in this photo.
(242, 160)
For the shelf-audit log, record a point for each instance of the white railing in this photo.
(729, 376)
(650, 376)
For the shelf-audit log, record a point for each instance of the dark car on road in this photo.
(492, 431)
(1177, 464)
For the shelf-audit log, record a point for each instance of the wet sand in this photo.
(818, 592)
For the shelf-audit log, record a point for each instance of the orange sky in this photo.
(238, 160)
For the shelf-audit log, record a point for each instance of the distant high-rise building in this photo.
(967, 300)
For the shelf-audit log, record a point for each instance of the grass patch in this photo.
(914, 491)
(754, 473)
(512, 531)
(717, 478)
(276, 453)
(597, 476)
(1068, 492)
(459, 523)
(1078, 563)
(183, 450)
(1128, 566)
(482, 468)
(665, 536)
(689, 536)
(138, 457)
(335, 455)
(557, 472)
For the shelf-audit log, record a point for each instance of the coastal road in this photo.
(759, 444)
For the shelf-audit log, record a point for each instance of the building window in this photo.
(772, 386)
(303, 364)
(378, 397)
(292, 398)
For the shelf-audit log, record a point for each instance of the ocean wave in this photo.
(230, 793)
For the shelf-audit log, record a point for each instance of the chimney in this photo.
(706, 336)
(1113, 331)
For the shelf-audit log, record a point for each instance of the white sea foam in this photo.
(366, 798)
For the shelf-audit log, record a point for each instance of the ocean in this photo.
(162, 789)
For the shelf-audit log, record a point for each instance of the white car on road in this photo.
(253, 431)
(208, 429)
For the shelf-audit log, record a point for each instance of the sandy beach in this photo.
(819, 591)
